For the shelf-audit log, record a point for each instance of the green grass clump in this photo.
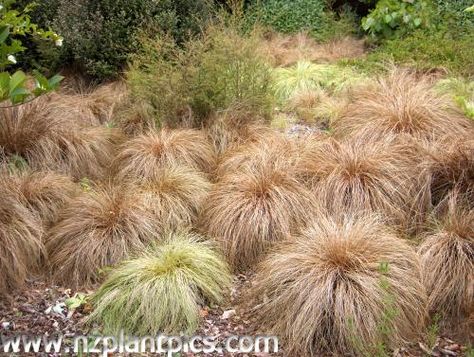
(462, 92)
(163, 289)
(307, 76)
(221, 69)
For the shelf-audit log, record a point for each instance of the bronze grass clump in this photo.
(80, 152)
(44, 193)
(447, 256)
(250, 210)
(357, 176)
(145, 155)
(175, 195)
(270, 149)
(347, 286)
(98, 229)
(448, 166)
(402, 102)
(163, 289)
(21, 127)
(21, 248)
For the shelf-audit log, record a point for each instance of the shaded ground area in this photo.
(41, 310)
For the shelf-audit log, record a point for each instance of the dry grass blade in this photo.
(163, 289)
(402, 103)
(249, 211)
(21, 248)
(343, 287)
(145, 155)
(98, 229)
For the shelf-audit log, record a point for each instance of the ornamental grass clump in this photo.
(145, 155)
(448, 166)
(163, 289)
(447, 257)
(176, 196)
(248, 211)
(402, 102)
(347, 286)
(306, 76)
(44, 193)
(78, 152)
(97, 229)
(21, 247)
(354, 176)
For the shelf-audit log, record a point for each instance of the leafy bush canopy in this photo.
(215, 72)
(394, 18)
(100, 35)
(15, 26)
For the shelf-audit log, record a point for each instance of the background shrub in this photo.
(100, 35)
(186, 85)
(292, 16)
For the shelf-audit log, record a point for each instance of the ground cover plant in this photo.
(252, 209)
(162, 290)
(360, 283)
(260, 167)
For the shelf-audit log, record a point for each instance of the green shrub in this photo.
(99, 35)
(163, 290)
(423, 50)
(392, 18)
(454, 12)
(292, 16)
(16, 27)
(220, 70)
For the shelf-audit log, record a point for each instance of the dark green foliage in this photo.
(292, 16)
(100, 35)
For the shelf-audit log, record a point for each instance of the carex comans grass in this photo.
(447, 257)
(97, 229)
(175, 195)
(401, 103)
(248, 211)
(144, 155)
(351, 175)
(360, 284)
(164, 288)
(21, 247)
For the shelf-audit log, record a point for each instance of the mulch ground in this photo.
(40, 310)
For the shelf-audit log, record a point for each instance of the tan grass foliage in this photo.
(345, 286)
(176, 196)
(269, 149)
(22, 126)
(234, 126)
(356, 176)
(285, 50)
(44, 193)
(145, 155)
(402, 102)
(448, 166)
(78, 152)
(21, 248)
(97, 229)
(250, 210)
(447, 256)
